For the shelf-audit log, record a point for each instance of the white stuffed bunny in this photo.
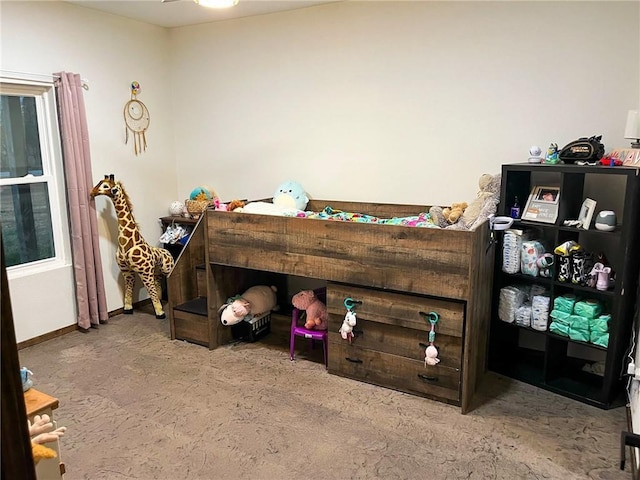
(346, 330)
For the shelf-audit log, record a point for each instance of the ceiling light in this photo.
(216, 3)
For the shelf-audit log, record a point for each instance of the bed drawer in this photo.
(397, 309)
(391, 335)
(394, 323)
(404, 342)
(393, 371)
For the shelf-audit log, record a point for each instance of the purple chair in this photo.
(313, 335)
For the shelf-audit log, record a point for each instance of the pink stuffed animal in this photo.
(431, 356)
(317, 316)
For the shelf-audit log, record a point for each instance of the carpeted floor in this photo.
(140, 406)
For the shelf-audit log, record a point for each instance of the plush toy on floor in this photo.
(317, 316)
(254, 302)
(134, 254)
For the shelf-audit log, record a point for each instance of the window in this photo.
(32, 206)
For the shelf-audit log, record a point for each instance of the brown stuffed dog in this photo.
(317, 316)
(453, 213)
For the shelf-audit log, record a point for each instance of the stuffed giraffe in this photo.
(134, 254)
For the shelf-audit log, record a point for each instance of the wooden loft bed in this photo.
(399, 273)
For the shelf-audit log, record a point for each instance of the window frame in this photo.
(52, 170)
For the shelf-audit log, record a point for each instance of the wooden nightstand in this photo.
(38, 403)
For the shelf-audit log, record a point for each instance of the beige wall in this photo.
(397, 101)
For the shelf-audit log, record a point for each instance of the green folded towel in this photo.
(559, 328)
(564, 303)
(588, 308)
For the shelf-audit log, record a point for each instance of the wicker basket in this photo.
(197, 207)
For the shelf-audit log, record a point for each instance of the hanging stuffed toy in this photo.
(346, 330)
(431, 352)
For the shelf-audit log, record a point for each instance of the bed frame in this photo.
(399, 273)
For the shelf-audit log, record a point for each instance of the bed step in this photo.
(191, 323)
(197, 306)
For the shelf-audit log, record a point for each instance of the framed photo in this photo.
(586, 213)
(542, 205)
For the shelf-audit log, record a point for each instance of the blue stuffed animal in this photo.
(290, 194)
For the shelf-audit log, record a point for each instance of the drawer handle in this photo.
(422, 345)
(353, 360)
(432, 317)
(359, 332)
(427, 378)
(350, 303)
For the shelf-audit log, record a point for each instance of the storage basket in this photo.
(255, 329)
(196, 207)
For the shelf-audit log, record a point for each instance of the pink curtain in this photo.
(87, 266)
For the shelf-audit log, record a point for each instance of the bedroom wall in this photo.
(396, 101)
(110, 52)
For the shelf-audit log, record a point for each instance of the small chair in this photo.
(313, 335)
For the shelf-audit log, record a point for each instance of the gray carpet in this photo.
(140, 406)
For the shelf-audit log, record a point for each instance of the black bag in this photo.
(584, 150)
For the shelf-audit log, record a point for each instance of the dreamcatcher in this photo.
(136, 119)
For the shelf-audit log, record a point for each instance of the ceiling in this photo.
(179, 13)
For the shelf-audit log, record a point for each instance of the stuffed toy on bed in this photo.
(289, 200)
(479, 210)
(290, 194)
(452, 214)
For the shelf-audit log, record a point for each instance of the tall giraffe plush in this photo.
(134, 254)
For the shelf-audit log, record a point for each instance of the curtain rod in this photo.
(9, 73)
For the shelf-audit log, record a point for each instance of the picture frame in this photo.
(586, 213)
(542, 205)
